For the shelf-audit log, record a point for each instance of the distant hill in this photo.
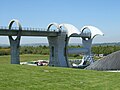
(36, 44)
(108, 44)
(74, 44)
(4, 45)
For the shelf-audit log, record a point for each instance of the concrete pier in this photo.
(15, 43)
(57, 46)
(87, 44)
(58, 51)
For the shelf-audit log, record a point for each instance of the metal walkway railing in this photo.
(28, 29)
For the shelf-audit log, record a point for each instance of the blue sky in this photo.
(104, 14)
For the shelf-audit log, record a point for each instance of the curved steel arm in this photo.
(52, 24)
(18, 25)
(94, 31)
(70, 29)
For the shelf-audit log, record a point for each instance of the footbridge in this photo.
(58, 39)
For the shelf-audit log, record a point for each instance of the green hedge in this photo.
(44, 50)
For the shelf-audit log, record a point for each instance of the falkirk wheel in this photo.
(59, 45)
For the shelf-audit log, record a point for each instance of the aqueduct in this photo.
(58, 41)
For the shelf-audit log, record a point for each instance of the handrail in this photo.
(28, 29)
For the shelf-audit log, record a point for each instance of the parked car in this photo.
(42, 63)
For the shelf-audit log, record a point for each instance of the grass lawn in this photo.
(24, 77)
(33, 57)
(25, 57)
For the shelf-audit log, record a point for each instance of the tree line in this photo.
(105, 49)
(44, 50)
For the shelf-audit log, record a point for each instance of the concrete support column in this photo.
(58, 46)
(87, 44)
(58, 55)
(14, 48)
(15, 43)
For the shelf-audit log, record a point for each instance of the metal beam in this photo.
(77, 50)
(81, 35)
(6, 32)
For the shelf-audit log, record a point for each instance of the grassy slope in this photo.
(23, 77)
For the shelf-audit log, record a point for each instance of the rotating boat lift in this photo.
(58, 41)
(58, 45)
